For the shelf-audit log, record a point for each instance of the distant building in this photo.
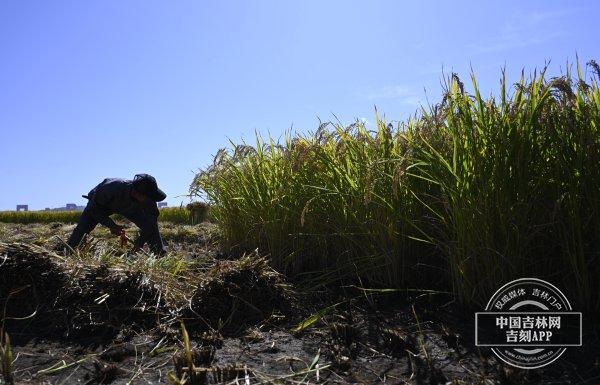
(161, 204)
(67, 207)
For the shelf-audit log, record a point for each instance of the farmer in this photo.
(134, 199)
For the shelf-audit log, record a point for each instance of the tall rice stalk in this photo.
(468, 194)
(518, 182)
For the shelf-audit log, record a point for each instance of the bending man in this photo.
(134, 199)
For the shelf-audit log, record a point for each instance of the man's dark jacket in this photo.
(113, 196)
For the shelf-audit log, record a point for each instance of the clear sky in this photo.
(95, 89)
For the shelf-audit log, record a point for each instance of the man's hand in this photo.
(117, 230)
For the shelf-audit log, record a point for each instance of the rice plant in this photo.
(6, 358)
(468, 194)
(519, 184)
(178, 215)
(330, 201)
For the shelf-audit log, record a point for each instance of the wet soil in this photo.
(107, 322)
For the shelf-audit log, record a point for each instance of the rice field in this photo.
(193, 214)
(468, 194)
(39, 216)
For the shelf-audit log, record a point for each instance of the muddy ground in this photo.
(104, 316)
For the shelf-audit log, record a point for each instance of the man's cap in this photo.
(146, 184)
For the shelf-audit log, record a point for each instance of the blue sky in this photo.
(95, 89)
